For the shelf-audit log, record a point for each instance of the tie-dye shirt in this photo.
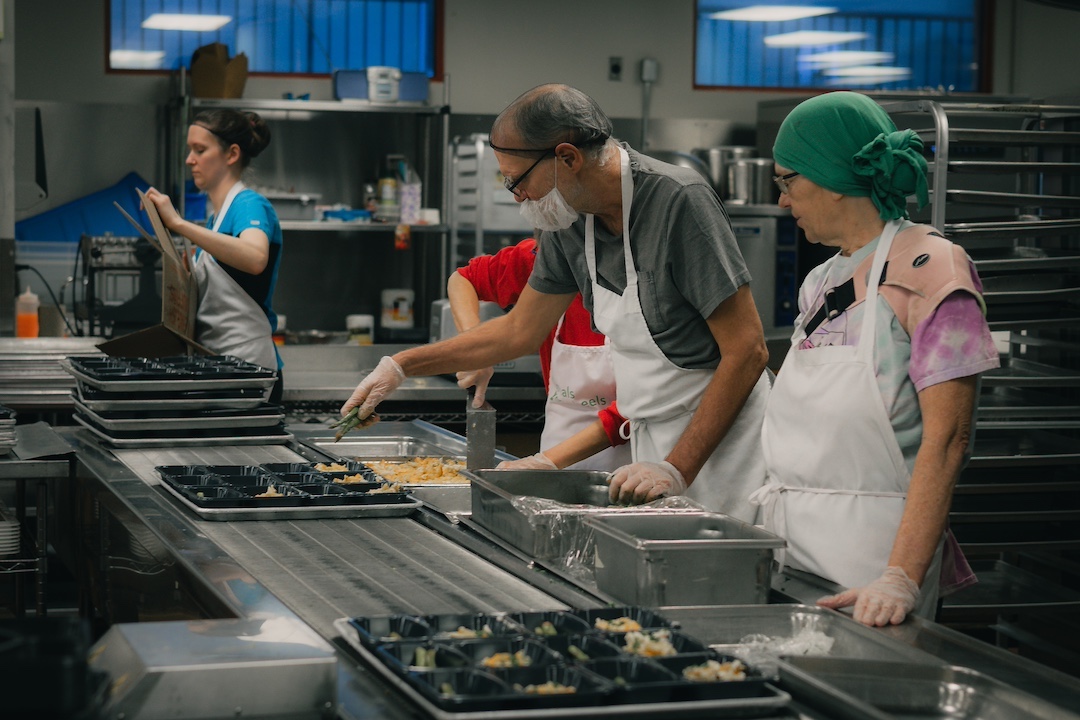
(952, 342)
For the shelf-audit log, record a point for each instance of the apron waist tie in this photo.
(773, 517)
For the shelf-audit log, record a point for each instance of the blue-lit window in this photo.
(864, 45)
(279, 36)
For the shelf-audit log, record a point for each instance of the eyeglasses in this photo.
(782, 181)
(512, 186)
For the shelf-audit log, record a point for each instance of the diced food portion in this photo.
(330, 467)
(387, 488)
(421, 470)
(549, 688)
(271, 492)
(546, 628)
(656, 643)
(507, 660)
(349, 479)
(715, 671)
(465, 633)
(619, 624)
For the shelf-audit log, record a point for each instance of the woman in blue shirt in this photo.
(239, 249)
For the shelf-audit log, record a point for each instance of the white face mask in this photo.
(550, 212)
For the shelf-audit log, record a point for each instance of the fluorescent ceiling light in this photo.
(869, 71)
(772, 13)
(181, 21)
(136, 59)
(811, 38)
(845, 58)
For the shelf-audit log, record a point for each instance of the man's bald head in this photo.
(547, 115)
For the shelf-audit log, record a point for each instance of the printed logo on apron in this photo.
(581, 383)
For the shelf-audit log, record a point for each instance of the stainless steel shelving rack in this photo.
(32, 556)
(338, 169)
(1005, 184)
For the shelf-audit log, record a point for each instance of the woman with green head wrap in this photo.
(871, 417)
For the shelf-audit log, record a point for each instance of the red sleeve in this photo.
(612, 421)
(577, 327)
(501, 277)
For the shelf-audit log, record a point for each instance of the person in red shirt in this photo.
(581, 418)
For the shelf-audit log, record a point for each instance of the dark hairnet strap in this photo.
(837, 301)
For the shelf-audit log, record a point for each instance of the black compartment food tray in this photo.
(143, 421)
(135, 380)
(267, 436)
(763, 699)
(308, 499)
(105, 400)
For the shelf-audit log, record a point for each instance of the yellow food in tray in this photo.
(656, 643)
(507, 660)
(271, 492)
(549, 688)
(350, 479)
(330, 467)
(421, 470)
(618, 625)
(715, 671)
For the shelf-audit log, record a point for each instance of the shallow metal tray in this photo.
(773, 701)
(245, 402)
(1015, 372)
(997, 448)
(211, 422)
(296, 513)
(724, 627)
(163, 385)
(392, 449)
(903, 690)
(283, 438)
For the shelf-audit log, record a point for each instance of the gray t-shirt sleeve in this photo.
(551, 273)
(706, 265)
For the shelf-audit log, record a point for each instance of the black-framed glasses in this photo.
(512, 186)
(782, 181)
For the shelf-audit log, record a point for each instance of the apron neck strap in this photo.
(627, 182)
(869, 319)
(219, 215)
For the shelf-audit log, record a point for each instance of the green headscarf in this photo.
(845, 142)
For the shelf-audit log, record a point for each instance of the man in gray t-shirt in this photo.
(651, 250)
(685, 252)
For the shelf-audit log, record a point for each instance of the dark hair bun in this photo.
(260, 134)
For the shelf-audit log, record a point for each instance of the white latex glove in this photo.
(372, 390)
(886, 600)
(479, 378)
(643, 482)
(539, 461)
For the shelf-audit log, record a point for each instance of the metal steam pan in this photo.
(903, 690)
(654, 559)
(540, 512)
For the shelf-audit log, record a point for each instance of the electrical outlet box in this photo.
(650, 70)
(615, 66)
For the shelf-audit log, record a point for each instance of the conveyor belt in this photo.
(328, 569)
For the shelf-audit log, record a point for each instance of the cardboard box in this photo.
(214, 75)
(179, 302)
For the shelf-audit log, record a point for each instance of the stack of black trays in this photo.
(7, 430)
(176, 401)
(44, 671)
(563, 647)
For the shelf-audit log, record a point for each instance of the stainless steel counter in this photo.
(296, 576)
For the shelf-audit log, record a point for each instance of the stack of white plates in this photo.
(7, 429)
(9, 532)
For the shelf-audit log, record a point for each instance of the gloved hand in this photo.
(372, 390)
(539, 461)
(886, 600)
(479, 378)
(643, 482)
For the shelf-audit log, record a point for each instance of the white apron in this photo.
(837, 479)
(581, 383)
(228, 321)
(660, 397)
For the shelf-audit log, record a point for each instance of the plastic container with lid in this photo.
(361, 329)
(26, 315)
